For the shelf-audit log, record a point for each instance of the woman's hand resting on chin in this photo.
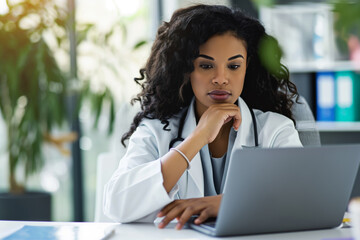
(215, 117)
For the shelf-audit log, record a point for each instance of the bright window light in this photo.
(125, 7)
(3, 7)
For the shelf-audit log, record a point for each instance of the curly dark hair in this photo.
(165, 82)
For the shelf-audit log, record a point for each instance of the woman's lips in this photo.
(219, 94)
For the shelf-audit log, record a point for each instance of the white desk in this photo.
(149, 231)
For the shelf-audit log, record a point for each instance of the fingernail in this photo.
(161, 225)
(197, 221)
(178, 226)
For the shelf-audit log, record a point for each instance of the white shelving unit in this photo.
(303, 67)
(338, 126)
(306, 67)
(305, 33)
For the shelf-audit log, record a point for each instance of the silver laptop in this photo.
(286, 189)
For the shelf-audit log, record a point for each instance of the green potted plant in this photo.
(347, 27)
(33, 93)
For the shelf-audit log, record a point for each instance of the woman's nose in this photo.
(221, 77)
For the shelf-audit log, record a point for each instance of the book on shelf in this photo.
(338, 96)
(325, 96)
(347, 96)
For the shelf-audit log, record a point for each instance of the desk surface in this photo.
(149, 231)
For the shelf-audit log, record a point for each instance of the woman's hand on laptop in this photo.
(183, 209)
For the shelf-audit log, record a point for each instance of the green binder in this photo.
(347, 107)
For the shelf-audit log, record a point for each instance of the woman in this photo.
(206, 92)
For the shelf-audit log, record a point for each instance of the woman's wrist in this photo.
(197, 139)
(183, 155)
(191, 145)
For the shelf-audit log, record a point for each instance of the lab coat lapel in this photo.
(245, 134)
(195, 172)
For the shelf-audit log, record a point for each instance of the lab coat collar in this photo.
(245, 134)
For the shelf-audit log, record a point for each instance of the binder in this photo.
(325, 96)
(347, 96)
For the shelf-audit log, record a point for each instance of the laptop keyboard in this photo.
(210, 224)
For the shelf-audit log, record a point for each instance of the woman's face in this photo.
(219, 71)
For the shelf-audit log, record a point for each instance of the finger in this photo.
(234, 115)
(171, 215)
(227, 118)
(164, 222)
(204, 215)
(237, 122)
(167, 208)
(187, 214)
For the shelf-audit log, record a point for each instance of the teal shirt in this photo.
(215, 169)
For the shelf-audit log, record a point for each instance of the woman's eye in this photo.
(206, 66)
(234, 67)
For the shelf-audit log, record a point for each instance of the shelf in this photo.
(317, 66)
(338, 126)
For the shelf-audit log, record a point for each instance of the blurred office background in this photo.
(305, 30)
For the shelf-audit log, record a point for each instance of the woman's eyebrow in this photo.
(236, 56)
(230, 58)
(206, 56)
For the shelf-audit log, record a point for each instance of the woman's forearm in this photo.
(173, 164)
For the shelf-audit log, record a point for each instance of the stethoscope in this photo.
(182, 122)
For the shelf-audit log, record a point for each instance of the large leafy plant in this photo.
(347, 22)
(33, 88)
(347, 19)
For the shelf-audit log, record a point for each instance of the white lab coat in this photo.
(135, 192)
